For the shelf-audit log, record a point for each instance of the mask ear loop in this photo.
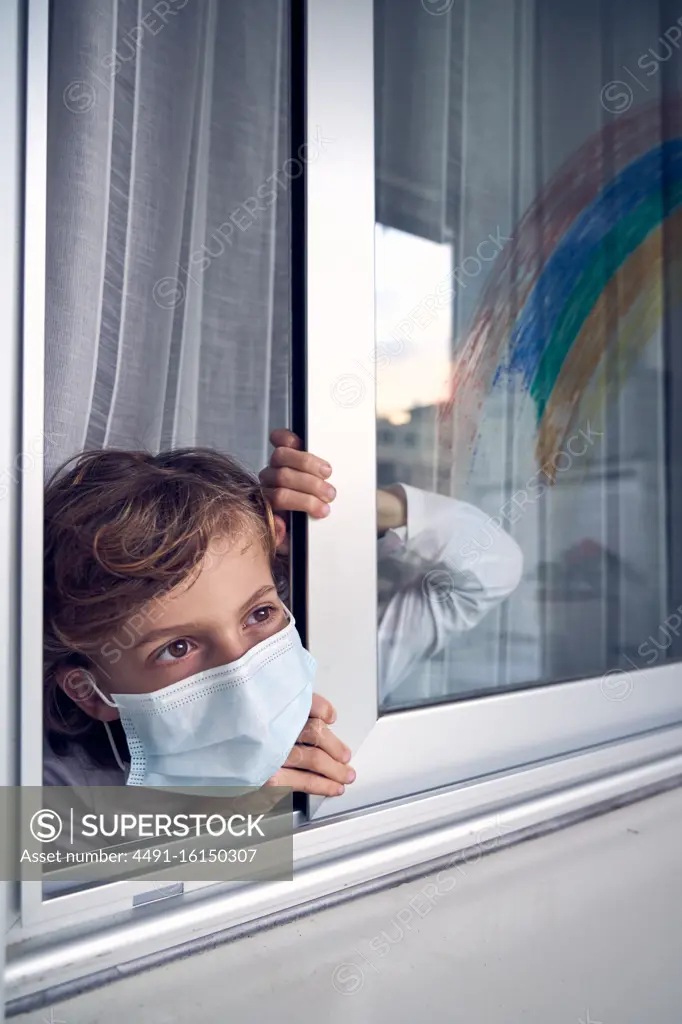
(107, 728)
(114, 751)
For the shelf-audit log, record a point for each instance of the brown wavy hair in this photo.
(122, 528)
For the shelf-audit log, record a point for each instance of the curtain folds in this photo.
(167, 319)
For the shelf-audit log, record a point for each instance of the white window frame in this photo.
(428, 779)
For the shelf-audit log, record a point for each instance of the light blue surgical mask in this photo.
(229, 726)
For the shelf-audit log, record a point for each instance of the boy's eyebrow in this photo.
(159, 634)
(188, 627)
(256, 596)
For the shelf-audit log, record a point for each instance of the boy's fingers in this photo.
(306, 782)
(285, 438)
(312, 759)
(283, 499)
(303, 462)
(317, 734)
(294, 480)
(322, 708)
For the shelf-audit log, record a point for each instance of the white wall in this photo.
(588, 920)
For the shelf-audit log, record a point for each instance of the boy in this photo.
(163, 596)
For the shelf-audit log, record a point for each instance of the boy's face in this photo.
(231, 606)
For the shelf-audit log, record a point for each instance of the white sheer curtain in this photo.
(168, 233)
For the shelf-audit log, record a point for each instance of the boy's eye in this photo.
(260, 615)
(176, 650)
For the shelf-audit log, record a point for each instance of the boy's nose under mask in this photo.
(229, 726)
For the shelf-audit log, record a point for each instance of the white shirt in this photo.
(438, 576)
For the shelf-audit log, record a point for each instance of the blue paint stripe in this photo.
(563, 269)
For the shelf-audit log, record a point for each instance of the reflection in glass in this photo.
(527, 289)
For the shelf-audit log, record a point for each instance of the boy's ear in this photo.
(280, 531)
(77, 683)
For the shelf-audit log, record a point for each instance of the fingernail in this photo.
(330, 491)
(326, 469)
(326, 509)
(346, 757)
(340, 790)
(332, 717)
(350, 775)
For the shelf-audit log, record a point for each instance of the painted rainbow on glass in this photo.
(579, 291)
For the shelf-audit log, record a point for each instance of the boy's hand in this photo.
(294, 480)
(318, 763)
(391, 508)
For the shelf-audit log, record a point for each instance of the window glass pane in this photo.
(167, 288)
(526, 291)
